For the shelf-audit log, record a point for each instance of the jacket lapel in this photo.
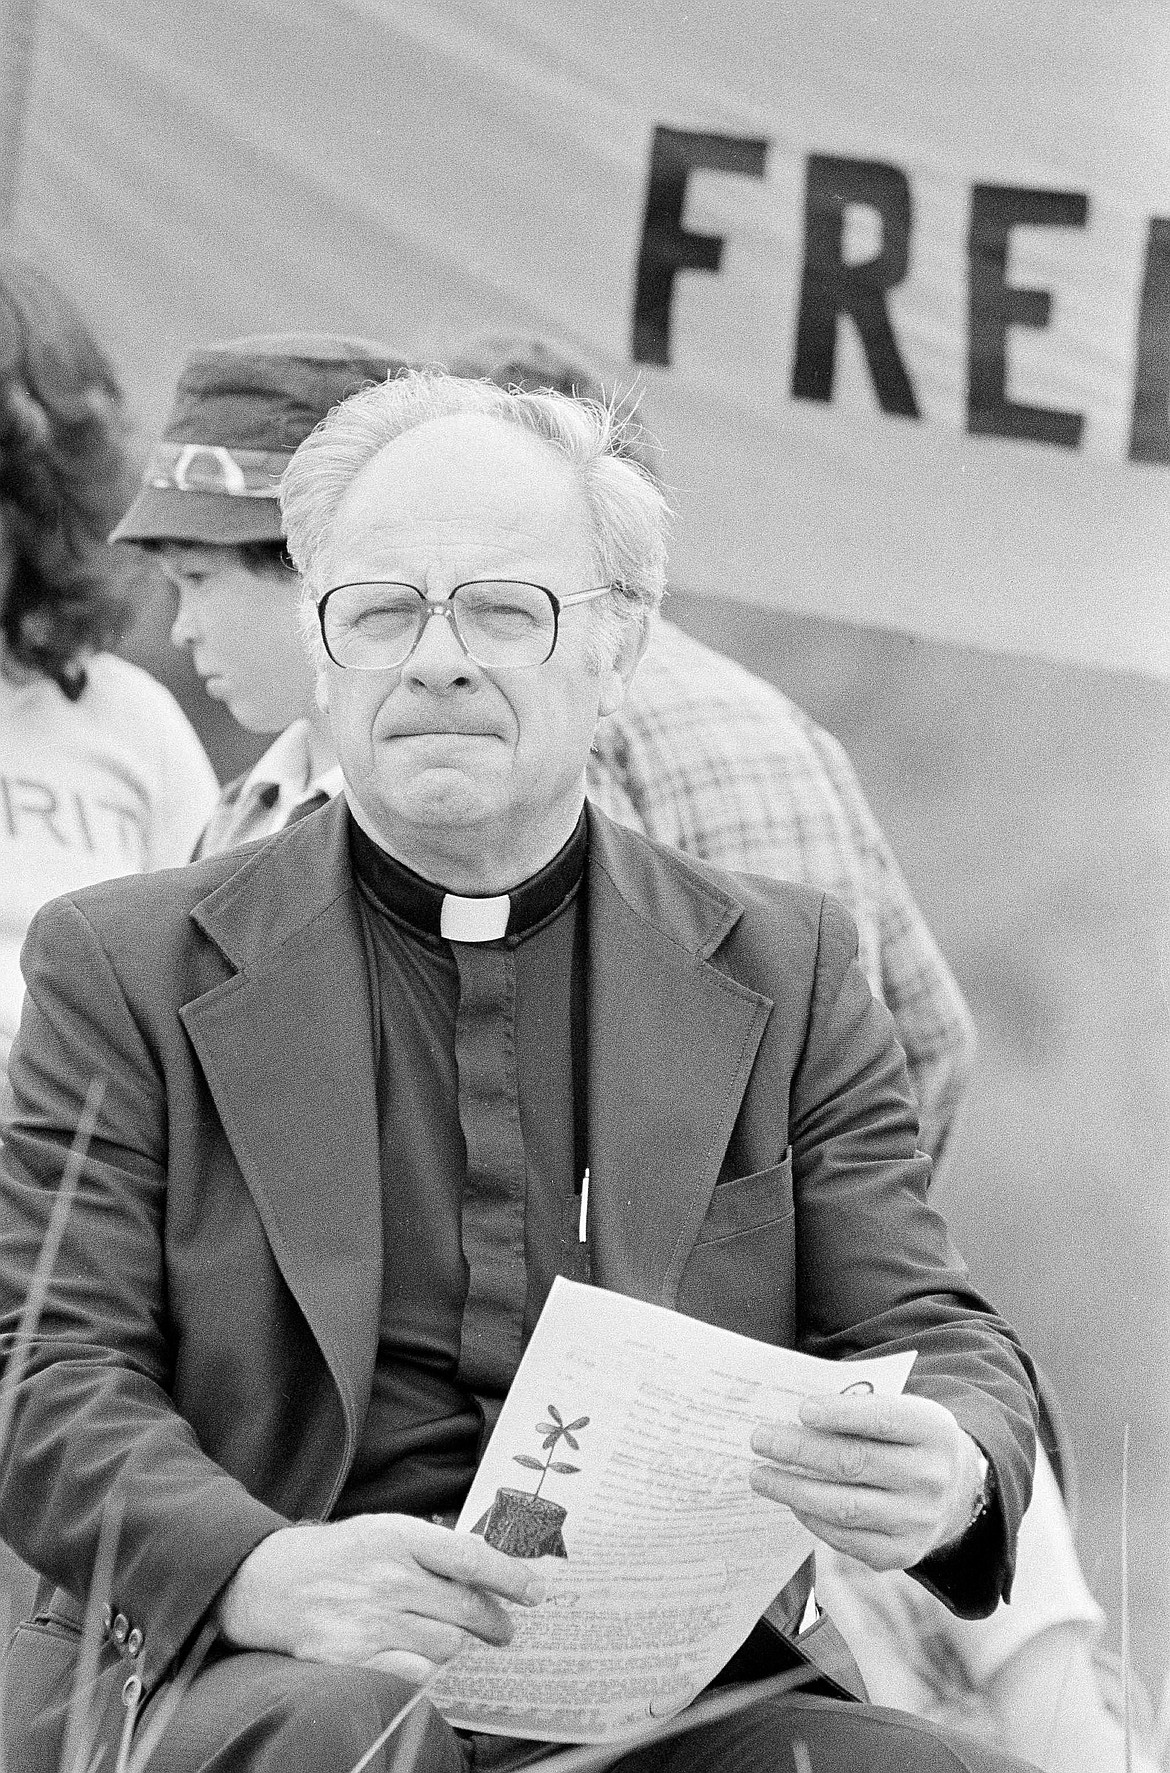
(287, 1048)
(672, 1042)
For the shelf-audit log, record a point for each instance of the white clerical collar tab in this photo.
(474, 920)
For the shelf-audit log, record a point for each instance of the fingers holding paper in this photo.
(389, 1590)
(884, 1479)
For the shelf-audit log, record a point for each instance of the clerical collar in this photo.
(400, 891)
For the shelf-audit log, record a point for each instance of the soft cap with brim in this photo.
(240, 411)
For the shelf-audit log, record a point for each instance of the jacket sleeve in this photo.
(876, 1270)
(93, 1429)
(931, 1018)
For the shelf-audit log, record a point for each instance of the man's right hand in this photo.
(382, 1589)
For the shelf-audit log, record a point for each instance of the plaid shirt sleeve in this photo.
(933, 1020)
(706, 757)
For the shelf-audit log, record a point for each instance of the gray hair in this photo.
(523, 360)
(628, 514)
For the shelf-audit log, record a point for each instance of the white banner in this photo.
(895, 280)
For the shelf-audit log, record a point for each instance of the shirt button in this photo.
(121, 1629)
(107, 1619)
(134, 1642)
(131, 1691)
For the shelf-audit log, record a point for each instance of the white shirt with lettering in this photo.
(114, 783)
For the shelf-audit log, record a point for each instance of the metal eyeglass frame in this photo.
(445, 607)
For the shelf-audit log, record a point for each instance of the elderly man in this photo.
(353, 1079)
(701, 754)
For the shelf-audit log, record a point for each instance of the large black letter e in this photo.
(994, 305)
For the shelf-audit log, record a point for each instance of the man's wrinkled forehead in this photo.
(459, 482)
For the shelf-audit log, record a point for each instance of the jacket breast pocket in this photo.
(742, 1271)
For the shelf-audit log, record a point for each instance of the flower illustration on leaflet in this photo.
(526, 1524)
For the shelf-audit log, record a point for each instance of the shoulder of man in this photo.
(777, 925)
(136, 910)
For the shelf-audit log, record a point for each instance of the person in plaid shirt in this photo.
(707, 757)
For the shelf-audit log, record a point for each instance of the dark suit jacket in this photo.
(206, 1355)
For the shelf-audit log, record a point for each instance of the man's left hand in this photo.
(885, 1479)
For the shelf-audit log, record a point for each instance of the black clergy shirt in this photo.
(481, 1103)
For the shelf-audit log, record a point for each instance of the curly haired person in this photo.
(100, 772)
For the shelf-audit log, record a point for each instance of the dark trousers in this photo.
(257, 1713)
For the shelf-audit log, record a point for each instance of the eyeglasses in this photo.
(499, 623)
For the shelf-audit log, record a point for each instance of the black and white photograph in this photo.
(584, 886)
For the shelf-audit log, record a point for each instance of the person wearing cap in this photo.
(208, 510)
(357, 1076)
